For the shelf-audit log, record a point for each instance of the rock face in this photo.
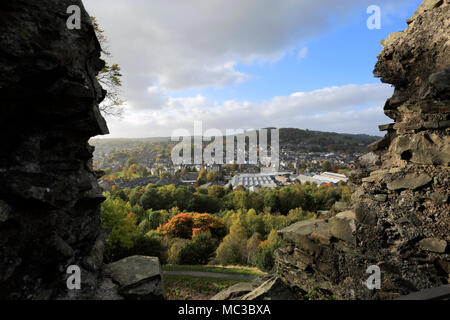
(49, 196)
(400, 219)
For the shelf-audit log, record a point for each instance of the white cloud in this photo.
(170, 45)
(302, 53)
(346, 109)
(179, 44)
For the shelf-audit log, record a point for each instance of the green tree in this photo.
(326, 165)
(150, 199)
(199, 250)
(116, 215)
(233, 249)
(201, 179)
(264, 259)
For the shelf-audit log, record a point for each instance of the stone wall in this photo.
(400, 219)
(49, 196)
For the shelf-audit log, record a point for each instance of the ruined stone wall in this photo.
(400, 220)
(49, 196)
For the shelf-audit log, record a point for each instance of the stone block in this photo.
(139, 277)
(433, 245)
(343, 226)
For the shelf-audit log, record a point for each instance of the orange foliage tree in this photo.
(186, 226)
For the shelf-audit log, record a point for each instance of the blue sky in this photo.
(341, 56)
(234, 64)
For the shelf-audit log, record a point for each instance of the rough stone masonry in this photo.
(400, 220)
(49, 196)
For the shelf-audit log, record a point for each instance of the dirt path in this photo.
(243, 277)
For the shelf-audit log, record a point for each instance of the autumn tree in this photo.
(109, 77)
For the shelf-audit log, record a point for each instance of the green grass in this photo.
(194, 288)
(216, 269)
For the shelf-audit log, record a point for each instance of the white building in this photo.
(253, 181)
(303, 179)
(330, 177)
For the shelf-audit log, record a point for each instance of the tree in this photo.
(131, 161)
(110, 78)
(199, 250)
(264, 259)
(233, 249)
(201, 179)
(326, 165)
(116, 215)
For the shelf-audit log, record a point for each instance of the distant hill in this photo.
(291, 138)
(318, 141)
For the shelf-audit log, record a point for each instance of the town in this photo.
(151, 163)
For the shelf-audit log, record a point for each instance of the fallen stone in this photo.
(411, 181)
(139, 277)
(298, 234)
(380, 197)
(272, 289)
(376, 176)
(438, 197)
(433, 245)
(343, 226)
(234, 292)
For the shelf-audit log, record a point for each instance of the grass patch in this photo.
(215, 269)
(194, 288)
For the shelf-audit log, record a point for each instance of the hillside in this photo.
(292, 138)
(317, 141)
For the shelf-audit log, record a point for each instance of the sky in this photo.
(248, 64)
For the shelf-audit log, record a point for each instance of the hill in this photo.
(291, 138)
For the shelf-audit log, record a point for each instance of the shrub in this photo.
(199, 250)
